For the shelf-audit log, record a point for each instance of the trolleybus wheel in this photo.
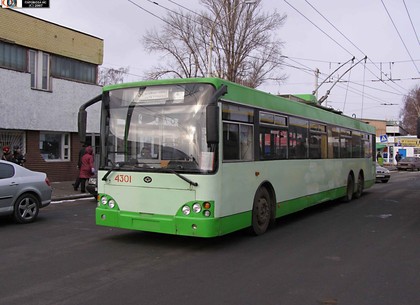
(261, 211)
(359, 186)
(350, 189)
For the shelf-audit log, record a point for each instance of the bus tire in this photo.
(261, 211)
(359, 186)
(349, 189)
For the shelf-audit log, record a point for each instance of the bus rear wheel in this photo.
(359, 186)
(350, 189)
(261, 211)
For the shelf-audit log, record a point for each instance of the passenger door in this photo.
(7, 186)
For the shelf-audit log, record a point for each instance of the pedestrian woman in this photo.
(86, 168)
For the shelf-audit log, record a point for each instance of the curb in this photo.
(71, 197)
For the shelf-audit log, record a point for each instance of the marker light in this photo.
(206, 205)
(207, 213)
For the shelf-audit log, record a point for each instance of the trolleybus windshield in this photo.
(158, 128)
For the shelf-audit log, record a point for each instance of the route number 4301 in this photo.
(123, 178)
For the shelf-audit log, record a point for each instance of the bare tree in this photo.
(411, 110)
(235, 35)
(110, 76)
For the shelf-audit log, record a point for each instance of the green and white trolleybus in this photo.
(206, 157)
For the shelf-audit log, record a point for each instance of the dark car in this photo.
(92, 186)
(382, 174)
(22, 192)
(409, 163)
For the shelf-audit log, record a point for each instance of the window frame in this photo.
(39, 66)
(64, 146)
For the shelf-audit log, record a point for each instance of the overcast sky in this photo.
(387, 31)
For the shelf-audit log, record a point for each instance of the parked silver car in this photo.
(409, 163)
(22, 192)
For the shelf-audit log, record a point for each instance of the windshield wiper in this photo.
(104, 178)
(168, 170)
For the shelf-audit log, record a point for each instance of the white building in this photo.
(47, 71)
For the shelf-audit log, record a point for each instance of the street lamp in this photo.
(209, 56)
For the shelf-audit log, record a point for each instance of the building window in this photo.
(12, 139)
(54, 146)
(12, 56)
(39, 67)
(68, 68)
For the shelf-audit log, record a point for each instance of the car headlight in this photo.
(104, 200)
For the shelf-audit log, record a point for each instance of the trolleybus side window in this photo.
(345, 143)
(333, 142)
(238, 143)
(273, 136)
(318, 141)
(298, 138)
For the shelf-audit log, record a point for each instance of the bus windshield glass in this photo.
(159, 128)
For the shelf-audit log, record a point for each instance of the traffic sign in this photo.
(383, 138)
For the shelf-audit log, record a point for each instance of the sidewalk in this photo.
(64, 191)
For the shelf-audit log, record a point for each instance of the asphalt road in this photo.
(366, 252)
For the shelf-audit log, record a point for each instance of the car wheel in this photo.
(26, 208)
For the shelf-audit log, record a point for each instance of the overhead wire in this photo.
(307, 69)
(411, 21)
(342, 34)
(399, 35)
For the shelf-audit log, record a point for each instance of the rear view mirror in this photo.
(81, 123)
(212, 124)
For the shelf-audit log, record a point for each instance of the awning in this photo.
(380, 146)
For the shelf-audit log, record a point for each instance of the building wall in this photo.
(57, 170)
(30, 109)
(27, 112)
(39, 34)
(379, 125)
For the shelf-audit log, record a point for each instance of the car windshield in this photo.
(408, 159)
(159, 127)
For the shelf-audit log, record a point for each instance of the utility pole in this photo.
(316, 82)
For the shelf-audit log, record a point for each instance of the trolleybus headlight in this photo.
(206, 213)
(186, 210)
(104, 200)
(111, 203)
(196, 207)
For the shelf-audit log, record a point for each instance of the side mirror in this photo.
(82, 117)
(212, 124)
(81, 123)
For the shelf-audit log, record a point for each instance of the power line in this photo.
(300, 13)
(411, 21)
(149, 12)
(307, 69)
(398, 32)
(379, 78)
